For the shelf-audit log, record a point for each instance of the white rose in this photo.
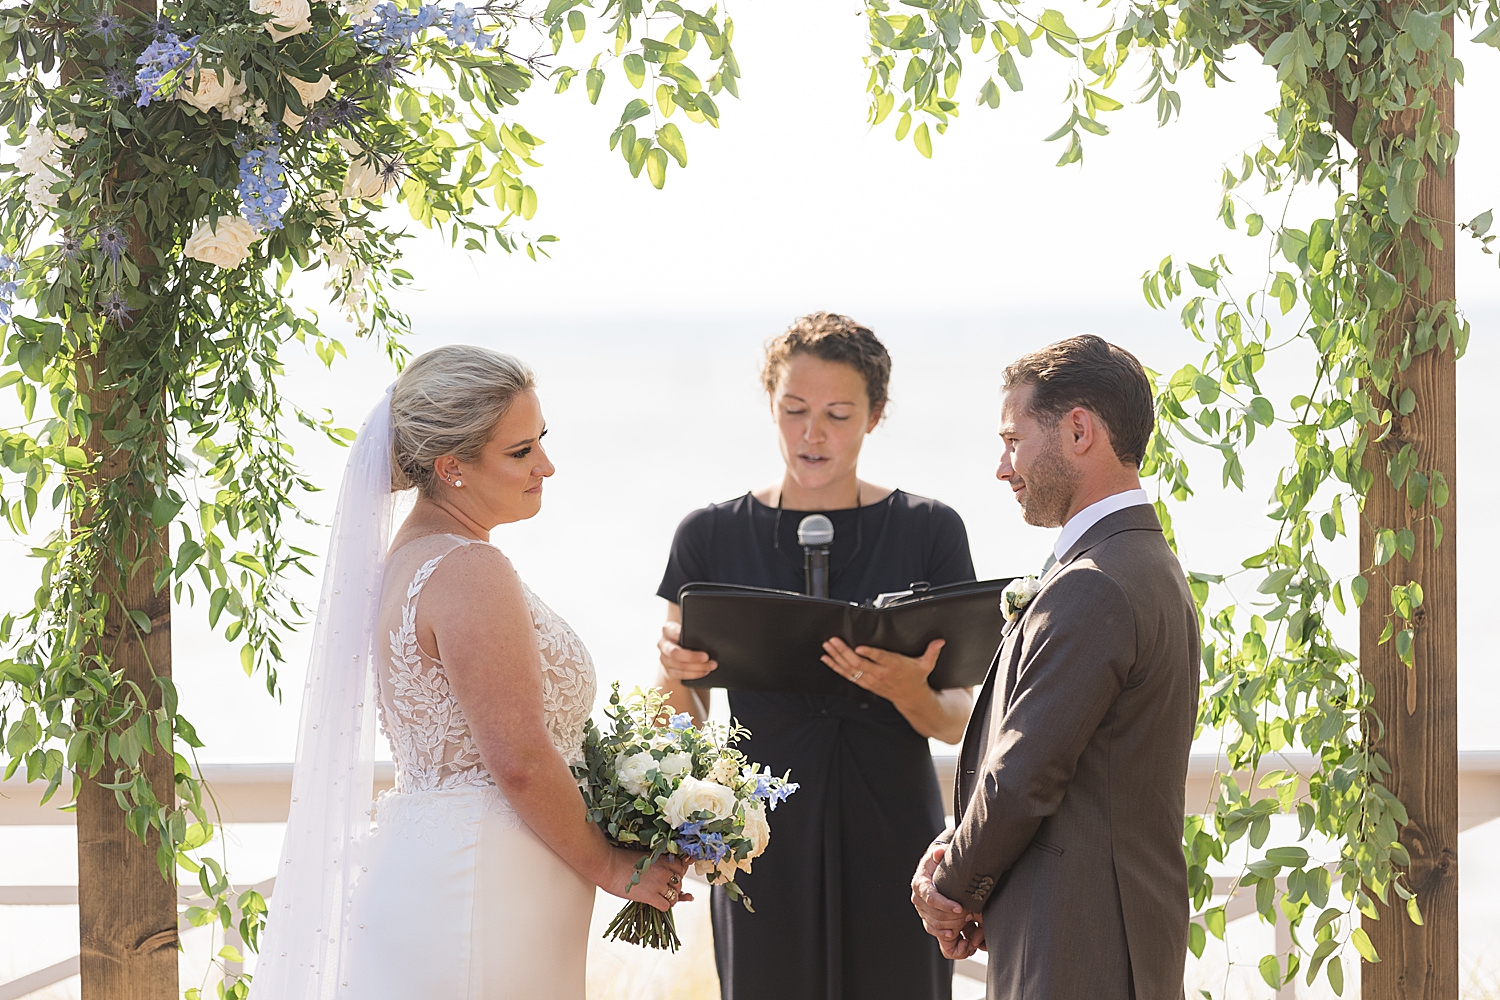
(725, 868)
(725, 770)
(632, 770)
(365, 179)
(757, 829)
(326, 203)
(674, 764)
(693, 796)
(311, 93)
(225, 245)
(288, 17)
(211, 92)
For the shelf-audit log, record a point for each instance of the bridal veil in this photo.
(305, 937)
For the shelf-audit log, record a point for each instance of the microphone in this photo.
(815, 535)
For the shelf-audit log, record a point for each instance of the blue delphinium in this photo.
(701, 846)
(8, 287)
(681, 721)
(771, 793)
(163, 56)
(262, 186)
(463, 29)
(392, 27)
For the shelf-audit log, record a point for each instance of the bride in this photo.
(476, 879)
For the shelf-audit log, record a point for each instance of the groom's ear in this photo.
(1089, 433)
(1081, 426)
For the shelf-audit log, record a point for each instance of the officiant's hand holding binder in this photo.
(772, 640)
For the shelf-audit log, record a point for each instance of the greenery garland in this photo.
(1279, 679)
(176, 169)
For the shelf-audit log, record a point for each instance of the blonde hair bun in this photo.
(447, 402)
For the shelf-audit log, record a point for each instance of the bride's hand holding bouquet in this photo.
(657, 784)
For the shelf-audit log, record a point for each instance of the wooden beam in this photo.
(127, 910)
(1419, 707)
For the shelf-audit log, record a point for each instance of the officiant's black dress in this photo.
(833, 917)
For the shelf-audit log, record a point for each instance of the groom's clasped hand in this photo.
(959, 932)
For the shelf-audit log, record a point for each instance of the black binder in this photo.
(772, 640)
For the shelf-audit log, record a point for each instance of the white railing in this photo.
(259, 793)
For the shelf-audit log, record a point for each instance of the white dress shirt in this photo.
(1092, 515)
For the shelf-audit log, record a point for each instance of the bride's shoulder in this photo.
(474, 569)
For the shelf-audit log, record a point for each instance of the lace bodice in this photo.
(429, 736)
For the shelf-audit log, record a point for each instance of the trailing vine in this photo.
(1358, 119)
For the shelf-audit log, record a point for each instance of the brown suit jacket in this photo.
(1069, 800)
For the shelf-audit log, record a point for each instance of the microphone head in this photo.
(815, 530)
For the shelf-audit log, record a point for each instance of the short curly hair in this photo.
(832, 337)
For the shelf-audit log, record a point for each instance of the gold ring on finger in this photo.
(673, 880)
(857, 675)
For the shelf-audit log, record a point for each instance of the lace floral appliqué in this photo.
(430, 738)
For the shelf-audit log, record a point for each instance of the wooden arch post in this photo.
(1419, 707)
(127, 912)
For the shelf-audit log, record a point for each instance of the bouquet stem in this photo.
(642, 924)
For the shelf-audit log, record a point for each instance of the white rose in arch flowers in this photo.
(212, 92)
(288, 17)
(225, 244)
(311, 93)
(695, 795)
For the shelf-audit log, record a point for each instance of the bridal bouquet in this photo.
(657, 783)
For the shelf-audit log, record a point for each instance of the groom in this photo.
(1066, 863)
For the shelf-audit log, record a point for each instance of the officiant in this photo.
(832, 916)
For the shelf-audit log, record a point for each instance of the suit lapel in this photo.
(976, 735)
(985, 715)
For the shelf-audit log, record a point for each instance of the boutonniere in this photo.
(1016, 597)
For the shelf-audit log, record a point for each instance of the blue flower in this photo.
(105, 25)
(118, 84)
(70, 248)
(782, 792)
(463, 29)
(116, 311)
(700, 846)
(391, 28)
(262, 187)
(772, 791)
(112, 242)
(159, 59)
(681, 721)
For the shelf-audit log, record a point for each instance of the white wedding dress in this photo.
(456, 897)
